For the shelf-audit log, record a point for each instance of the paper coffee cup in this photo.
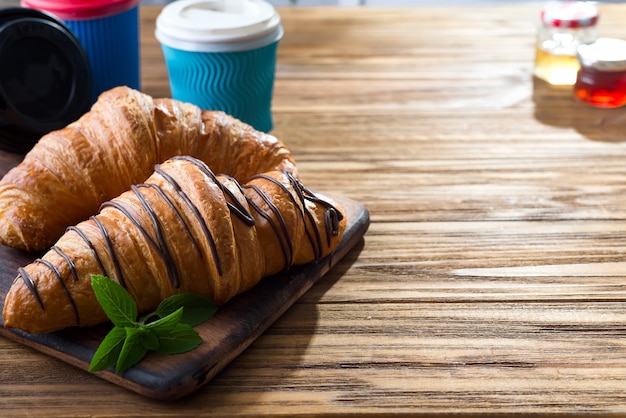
(109, 33)
(221, 55)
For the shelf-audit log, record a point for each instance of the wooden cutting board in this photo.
(235, 326)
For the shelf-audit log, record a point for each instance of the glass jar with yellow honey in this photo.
(565, 25)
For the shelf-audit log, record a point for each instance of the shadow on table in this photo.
(295, 328)
(556, 106)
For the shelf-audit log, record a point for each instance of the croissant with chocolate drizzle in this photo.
(185, 229)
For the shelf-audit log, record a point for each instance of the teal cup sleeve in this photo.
(239, 83)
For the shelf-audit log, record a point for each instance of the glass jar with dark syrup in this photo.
(601, 80)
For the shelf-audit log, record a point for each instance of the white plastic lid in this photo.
(218, 25)
(605, 54)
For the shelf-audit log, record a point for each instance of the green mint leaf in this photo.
(150, 340)
(116, 302)
(163, 326)
(109, 350)
(132, 350)
(129, 341)
(183, 338)
(198, 308)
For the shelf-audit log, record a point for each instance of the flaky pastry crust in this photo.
(70, 172)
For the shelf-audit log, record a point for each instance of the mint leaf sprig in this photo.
(168, 330)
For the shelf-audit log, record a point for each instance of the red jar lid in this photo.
(569, 14)
(81, 9)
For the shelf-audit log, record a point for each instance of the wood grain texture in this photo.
(490, 279)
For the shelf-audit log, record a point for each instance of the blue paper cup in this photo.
(108, 31)
(219, 59)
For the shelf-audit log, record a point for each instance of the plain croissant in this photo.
(183, 230)
(70, 172)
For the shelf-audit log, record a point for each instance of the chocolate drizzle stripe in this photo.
(158, 229)
(242, 213)
(283, 238)
(332, 216)
(28, 281)
(332, 219)
(91, 247)
(196, 212)
(121, 208)
(237, 208)
(331, 225)
(160, 247)
(111, 250)
(315, 241)
(314, 237)
(279, 214)
(327, 205)
(176, 212)
(59, 278)
(68, 260)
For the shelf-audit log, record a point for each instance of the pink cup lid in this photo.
(81, 9)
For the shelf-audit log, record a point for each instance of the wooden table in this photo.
(492, 278)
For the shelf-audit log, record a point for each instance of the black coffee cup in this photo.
(45, 77)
